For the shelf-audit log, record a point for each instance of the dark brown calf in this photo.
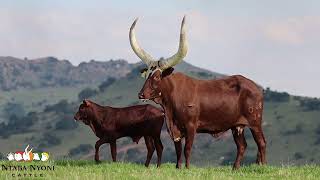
(110, 124)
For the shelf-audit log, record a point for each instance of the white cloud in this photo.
(294, 30)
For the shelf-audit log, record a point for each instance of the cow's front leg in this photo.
(113, 148)
(188, 146)
(172, 128)
(97, 146)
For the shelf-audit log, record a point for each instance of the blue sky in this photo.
(275, 43)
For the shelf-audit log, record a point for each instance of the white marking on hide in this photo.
(239, 130)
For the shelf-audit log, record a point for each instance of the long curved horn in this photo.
(182, 51)
(145, 57)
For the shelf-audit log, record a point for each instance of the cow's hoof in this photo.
(146, 165)
(178, 166)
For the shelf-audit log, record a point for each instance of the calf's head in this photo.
(84, 113)
(157, 69)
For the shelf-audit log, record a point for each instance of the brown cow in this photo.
(202, 106)
(110, 124)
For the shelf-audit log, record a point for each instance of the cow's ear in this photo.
(167, 72)
(143, 72)
(86, 102)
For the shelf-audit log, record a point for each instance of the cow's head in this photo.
(84, 112)
(157, 69)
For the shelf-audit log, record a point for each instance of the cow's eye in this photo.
(156, 78)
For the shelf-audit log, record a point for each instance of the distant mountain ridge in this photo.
(50, 72)
(18, 73)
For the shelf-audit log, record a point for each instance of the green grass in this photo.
(89, 170)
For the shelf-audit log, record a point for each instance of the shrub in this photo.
(204, 74)
(104, 85)
(62, 106)
(298, 155)
(18, 124)
(310, 104)
(14, 109)
(66, 123)
(86, 93)
(297, 130)
(317, 131)
(49, 140)
(275, 96)
(81, 149)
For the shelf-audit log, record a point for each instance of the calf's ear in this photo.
(86, 102)
(167, 72)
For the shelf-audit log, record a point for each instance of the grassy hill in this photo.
(291, 127)
(90, 170)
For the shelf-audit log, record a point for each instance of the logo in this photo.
(28, 155)
(30, 170)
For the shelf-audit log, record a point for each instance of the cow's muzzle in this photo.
(76, 118)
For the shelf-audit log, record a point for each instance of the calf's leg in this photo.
(178, 147)
(97, 146)
(159, 149)
(238, 136)
(113, 148)
(150, 148)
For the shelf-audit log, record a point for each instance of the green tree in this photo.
(86, 93)
(14, 109)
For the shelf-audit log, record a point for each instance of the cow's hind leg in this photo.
(178, 147)
(238, 136)
(261, 143)
(159, 149)
(150, 148)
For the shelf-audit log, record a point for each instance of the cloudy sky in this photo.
(275, 43)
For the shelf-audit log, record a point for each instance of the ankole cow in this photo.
(202, 106)
(109, 124)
